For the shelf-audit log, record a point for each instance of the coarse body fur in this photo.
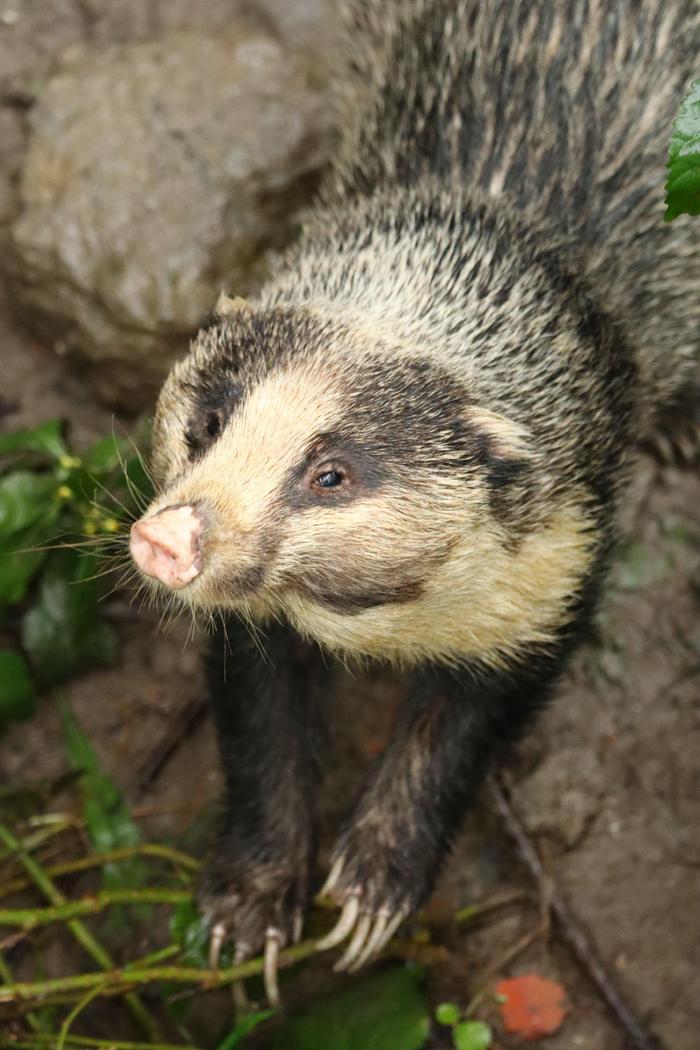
(482, 318)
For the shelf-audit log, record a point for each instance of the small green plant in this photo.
(60, 515)
(467, 1034)
(131, 883)
(45, 1011)
(683, 178)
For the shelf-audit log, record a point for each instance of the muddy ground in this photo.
(608, 785)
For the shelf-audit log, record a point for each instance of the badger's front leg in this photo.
(264, 692)
(448, 735)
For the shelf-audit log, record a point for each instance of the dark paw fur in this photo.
(256, 907)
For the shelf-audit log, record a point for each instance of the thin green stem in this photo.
(75, 1012)
(85, 1042)
(112, 856)
(31, 842)
(6, 974)
(117, 981)
(30, 917)
(154, 957)
(80, 932)
(501, 900)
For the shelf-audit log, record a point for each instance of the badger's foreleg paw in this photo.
(257, 908)
(375, 893)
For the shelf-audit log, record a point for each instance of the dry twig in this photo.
(569, 927)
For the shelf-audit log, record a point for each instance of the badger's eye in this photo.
(329, 479)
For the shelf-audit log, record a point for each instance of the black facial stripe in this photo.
(346, 590)
(333, 450)
(412, 413)
(350, 599)
(214, 402)
(245, 582)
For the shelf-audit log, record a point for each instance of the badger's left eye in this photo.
(329, 479)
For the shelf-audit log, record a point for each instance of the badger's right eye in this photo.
(203, 432)
(330, 479)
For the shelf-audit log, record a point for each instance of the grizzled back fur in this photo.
(563, 109)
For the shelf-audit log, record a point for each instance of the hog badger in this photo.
(410, 447)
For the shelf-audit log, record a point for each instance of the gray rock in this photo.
(563, 795)
(309, 24)
(157, 173)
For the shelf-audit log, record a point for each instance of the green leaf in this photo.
(21, 554)
(447, 1013)
(17, 567)
(190, 930)
(45, 439)
(244, 1027)
(17, 697)
(107, 818)
(64, 632)
(683, 178)
(115, 458)
(386, 1011)
(103, 456)
(472, 1035)
(26, 498)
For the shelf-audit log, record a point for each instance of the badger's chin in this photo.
(212, 591)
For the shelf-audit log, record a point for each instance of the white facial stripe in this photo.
(245, 468)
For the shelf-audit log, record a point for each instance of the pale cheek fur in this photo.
(484, 601)
(370, 536)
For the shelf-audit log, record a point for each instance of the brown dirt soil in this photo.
(608, 785)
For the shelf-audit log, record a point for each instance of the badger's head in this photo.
(307, 471)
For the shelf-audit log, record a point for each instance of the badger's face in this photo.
(303, 472)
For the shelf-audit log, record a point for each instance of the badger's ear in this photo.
(505, 447)
(226, 306)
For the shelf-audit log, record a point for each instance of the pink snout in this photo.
(167, 545)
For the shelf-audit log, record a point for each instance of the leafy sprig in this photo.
(61, 515)
(683, 178)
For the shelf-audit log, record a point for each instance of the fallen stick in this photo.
(184, 722)
(569, 927)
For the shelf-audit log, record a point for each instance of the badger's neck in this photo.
(459, 280)
(425, 269)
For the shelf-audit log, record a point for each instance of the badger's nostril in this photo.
(166, 545)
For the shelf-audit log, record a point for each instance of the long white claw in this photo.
(390, 930)
(356, 944)
(240, 998)
(218, 935)
(372, 941)
(343, 926)
(297, 925)
(272, 951)
(333, 876)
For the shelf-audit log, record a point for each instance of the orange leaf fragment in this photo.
(532, 1007)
